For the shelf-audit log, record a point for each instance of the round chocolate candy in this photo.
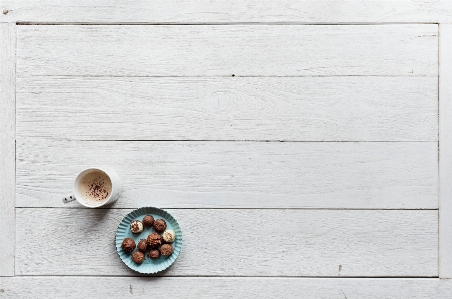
(166, 250)
(148, 221)
(169, 236)
(142, 245)
(154, 240)
(159, 225)
(136, 226)
(154, 254)
(128, 245)
(138, 257)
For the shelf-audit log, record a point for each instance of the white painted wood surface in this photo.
(372, 80)
(237, 174)
(240, 50)
(306, 108)
(214, 287)
(7, 147)
(445, 150)
(216, 11)
(235, 242)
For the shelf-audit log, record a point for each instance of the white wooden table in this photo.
(305, 147)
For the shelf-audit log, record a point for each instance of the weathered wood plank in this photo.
(445, 151)
(307, 108)
(242, 242)
(237, 174)
(7, 147)
(257, 50)
(208, 11)
(214, 287)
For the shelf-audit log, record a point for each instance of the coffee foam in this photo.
(95, 187)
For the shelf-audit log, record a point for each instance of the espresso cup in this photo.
(95, 187)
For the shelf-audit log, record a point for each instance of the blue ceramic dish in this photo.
(149, 266)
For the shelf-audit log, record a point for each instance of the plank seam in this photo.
(242, 277)
(240, 140)
(223, 76)
(25, 23)
(439, 160)
(244, 208)
(445, 142)
(7, 147)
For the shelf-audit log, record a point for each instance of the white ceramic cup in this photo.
(116, 188)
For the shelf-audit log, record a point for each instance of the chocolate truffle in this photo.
(142, 245)
(136, 227)
(128, 245)
(168, 236)
(154, 240)
(154, 254)
(148, 220)
(159, 225)
(166, 250)
(138, 257)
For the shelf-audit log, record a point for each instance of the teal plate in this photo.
(149, 266)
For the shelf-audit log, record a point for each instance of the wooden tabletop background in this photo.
(305, 147)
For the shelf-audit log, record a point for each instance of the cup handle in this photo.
(68, 198)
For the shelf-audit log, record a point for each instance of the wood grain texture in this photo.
(214, 11)
(240, 50)
(237, 174)
(294, 109)
(445, 151)
(242, 242)
(231, 287)
(7, 147)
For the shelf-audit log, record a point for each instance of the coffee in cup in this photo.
(95, 187)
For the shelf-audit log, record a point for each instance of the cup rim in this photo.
(77, 194)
